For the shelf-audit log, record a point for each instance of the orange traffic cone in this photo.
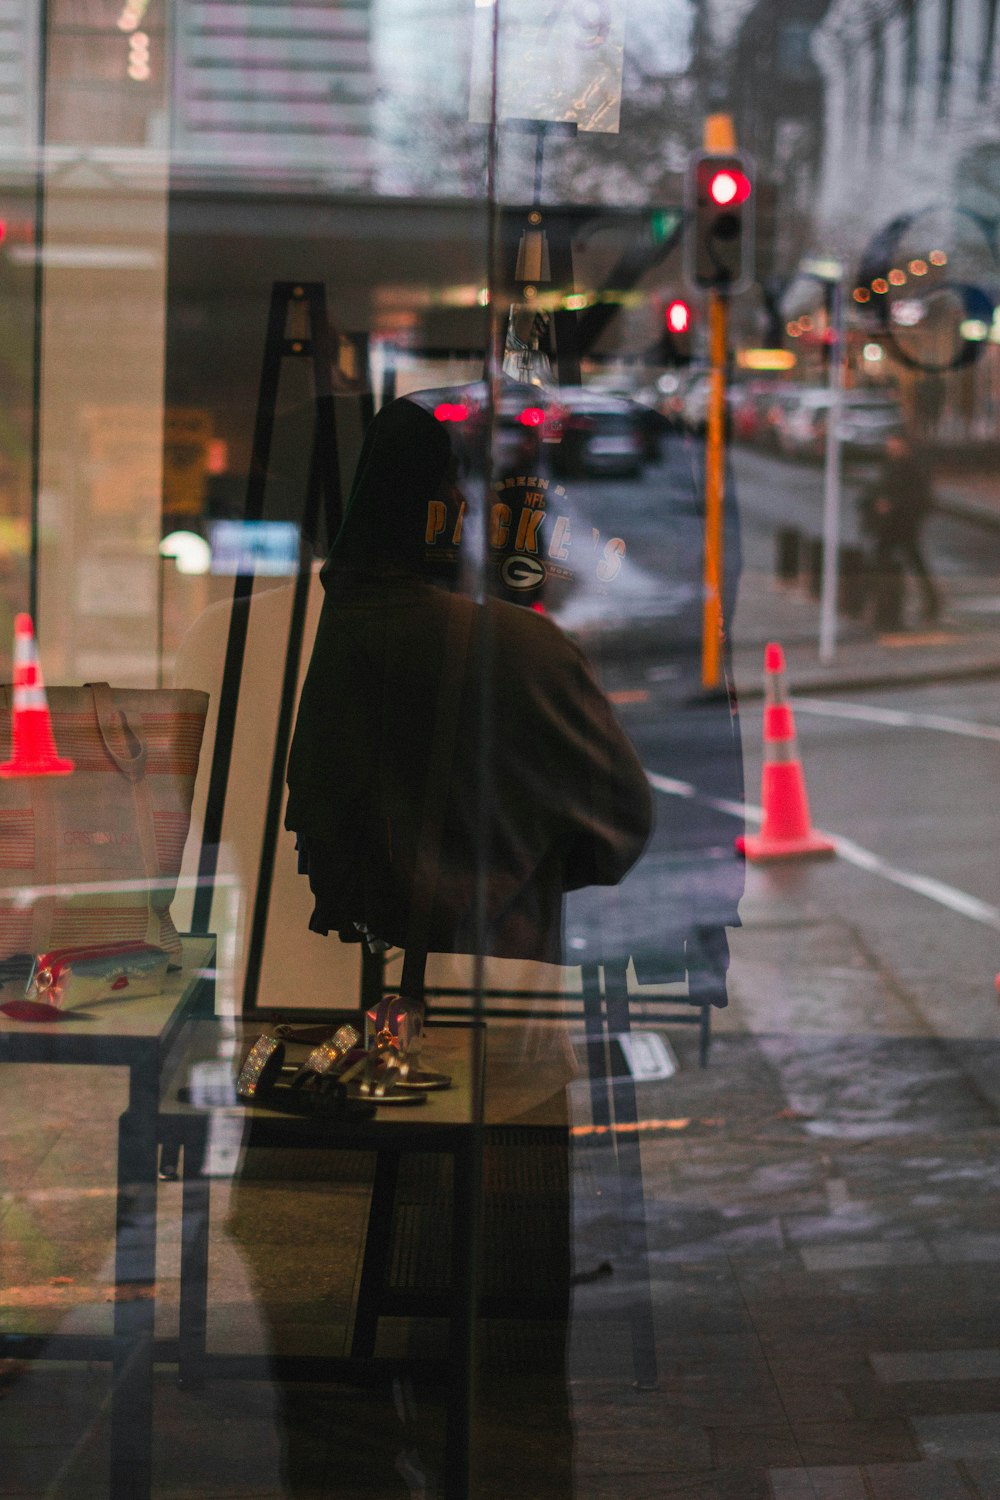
(786, 832)
(34, 745)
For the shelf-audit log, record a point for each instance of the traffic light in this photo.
(676, 341)
(719, 239)
(678, 317)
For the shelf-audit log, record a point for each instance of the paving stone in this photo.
(715, 1484)
(966, 1247)
(832, 1229)
(984, 1477)
(816, 1400)
(882, 1440)
(862, 1253)
(626, 1441)
(938, 1364)
(933, 1480)
(762, 1445)
(964, 1435)
(834, 1483)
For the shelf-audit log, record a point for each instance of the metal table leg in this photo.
(464, 1291)
(633, 1201)
(135, 1281)
(378, 1248)
(195, 1211)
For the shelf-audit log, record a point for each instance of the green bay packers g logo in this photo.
(520, 572)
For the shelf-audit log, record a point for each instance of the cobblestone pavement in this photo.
(824, 1235)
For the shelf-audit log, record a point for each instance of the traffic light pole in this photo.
(834, 291)
(712, 623)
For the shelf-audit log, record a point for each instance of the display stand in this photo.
(297, 329)
(445, 1126)
(142, 1036)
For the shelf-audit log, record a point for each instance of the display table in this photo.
(137, 1034)
(445, 1123)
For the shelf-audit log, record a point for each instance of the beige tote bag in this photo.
(93, 857)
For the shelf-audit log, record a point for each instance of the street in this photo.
(905, 776)
(820, 1200)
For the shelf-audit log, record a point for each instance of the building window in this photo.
(989, 43)
(876, 97)
(946, 55)
(911, 48)
(795, 59)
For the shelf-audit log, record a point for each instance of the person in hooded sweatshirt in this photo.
(564, 802)
(536, 791)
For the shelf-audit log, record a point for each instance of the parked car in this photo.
(774, 409)
(573, 430)
(694, 405)
(522, 427)
(800, 421)
(750, 404)
(867, 418)
(598, 434)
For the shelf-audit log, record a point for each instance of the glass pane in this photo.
(651, 353)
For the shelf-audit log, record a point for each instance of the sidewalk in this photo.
(824, 1235)
(966, 644)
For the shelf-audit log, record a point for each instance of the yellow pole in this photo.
(712, 626)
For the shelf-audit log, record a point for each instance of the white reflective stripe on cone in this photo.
(29, 699)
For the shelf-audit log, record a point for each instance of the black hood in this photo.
(405, 457)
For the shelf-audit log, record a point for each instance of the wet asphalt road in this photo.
(918, 797)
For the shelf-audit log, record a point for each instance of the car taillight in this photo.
(531, 416)
(451, 411)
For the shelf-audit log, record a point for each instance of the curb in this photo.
(865, 682)
(961, 510)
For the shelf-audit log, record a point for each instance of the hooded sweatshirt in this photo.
(537, 792)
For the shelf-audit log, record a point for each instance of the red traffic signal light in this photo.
(718, 242)
(678, 317)
(728, 187)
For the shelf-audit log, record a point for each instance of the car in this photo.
(749, 406)
(867, 418)
(598, 434)
(694, 406)
(568, 430)
(694, 403)
(519, 432)
(800, 421)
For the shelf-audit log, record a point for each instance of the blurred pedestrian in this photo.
(893, 511)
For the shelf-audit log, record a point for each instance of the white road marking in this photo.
(855, 854)
(899, 718)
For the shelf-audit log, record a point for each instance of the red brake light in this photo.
(531, 416)
(451, 411)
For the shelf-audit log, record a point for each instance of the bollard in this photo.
(787, 552)
(888, 587)
(814, 566)
(852, 585)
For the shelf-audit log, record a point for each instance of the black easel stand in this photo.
(297, 328)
